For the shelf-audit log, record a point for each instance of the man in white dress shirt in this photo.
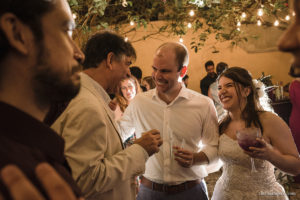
(101, 166)
(188, 125)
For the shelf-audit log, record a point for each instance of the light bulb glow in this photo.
(258, 23)
(287, 18)
(276, 23)
(181, 40)
(189, 25)
(244, 15)
(201, 3)
(131, 23)
(238, 24)
(260, 12)
(294, 14)
(192, 13)
(238, 29)
(126, 39)
(124, 3)
(74, 16)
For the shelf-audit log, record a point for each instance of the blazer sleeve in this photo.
(94, 151)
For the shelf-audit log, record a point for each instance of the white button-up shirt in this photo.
(189, 122)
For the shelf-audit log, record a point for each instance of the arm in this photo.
(210, 133)
(282, 151)
(210, 139)
(202, 86)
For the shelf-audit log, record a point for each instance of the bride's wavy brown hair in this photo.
(241, 77)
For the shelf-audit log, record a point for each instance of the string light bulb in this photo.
(294, 14)
(258, 23)
(192, 13)
(124, 3)
(189, 25)
(238, 28)
(260, 12)
(126, 39)
(287, 18)
(181, 40)
(201, 3)
(239, 23)
(131, 23)
(244, 15)
(276, 23)
(74, 16)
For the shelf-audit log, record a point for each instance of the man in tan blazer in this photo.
(100, 165)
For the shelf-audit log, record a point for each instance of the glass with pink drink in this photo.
(247, 138)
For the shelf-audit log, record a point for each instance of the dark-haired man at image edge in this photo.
(185, 119)
(100, 165)
(209, 78)
(38, 63)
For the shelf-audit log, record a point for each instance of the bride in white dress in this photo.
(239, 97)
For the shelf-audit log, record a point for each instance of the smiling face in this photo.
(290, 40)
(165, 72)
(210, 70)
(232, 95)
(56, 71)
(128, 89)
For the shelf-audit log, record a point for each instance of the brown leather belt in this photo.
(170, 189)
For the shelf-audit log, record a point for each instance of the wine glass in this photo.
(247, 138)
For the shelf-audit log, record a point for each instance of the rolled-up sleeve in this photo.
(210, 135)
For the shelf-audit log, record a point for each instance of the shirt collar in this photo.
(182, 94)
(23, 128)
(86, 79)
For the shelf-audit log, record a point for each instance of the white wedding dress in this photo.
(238, 183)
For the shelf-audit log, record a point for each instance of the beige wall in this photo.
(274, 63)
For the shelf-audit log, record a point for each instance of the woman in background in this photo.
(127, 89)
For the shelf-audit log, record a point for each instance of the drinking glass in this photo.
(247, 138)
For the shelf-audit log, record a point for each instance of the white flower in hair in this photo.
(260, 87)
(263, 99)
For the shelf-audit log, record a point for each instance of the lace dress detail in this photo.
(238, 183)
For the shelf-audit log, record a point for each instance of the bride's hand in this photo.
(264, 152)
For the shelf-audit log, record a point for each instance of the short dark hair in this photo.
(136, 72)
(209, 63)
(221, 66)
(30, 13)
(101, 44)
(185, 77)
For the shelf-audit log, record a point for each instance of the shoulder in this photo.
(199, 99)
(272, 123)
(196, 95)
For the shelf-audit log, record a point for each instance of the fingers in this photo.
(184, 157)
(183, 162)
(154, 132)
(18, 185)
(54, 185)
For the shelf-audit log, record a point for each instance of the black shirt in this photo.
(26, 142)
(206, 82)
